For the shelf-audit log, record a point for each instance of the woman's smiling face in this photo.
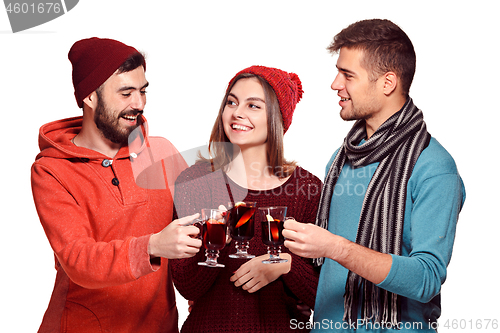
(245, 115)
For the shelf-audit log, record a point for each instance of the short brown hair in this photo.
(135, 60)
(386, 48)
(222, 155)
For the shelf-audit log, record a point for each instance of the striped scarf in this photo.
(396, 144)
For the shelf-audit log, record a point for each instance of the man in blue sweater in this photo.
(387, 218)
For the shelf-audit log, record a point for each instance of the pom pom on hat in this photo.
(286, 86)
(94, 60)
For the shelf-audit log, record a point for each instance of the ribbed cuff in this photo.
(139, 258)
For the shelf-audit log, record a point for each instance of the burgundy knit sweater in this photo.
(219, 305)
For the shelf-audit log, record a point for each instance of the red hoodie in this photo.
(98, 214)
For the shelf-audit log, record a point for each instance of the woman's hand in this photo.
(254, 275)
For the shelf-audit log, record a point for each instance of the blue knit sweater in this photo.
(435, 195)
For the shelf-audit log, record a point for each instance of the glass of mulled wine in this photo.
(241, 226)
(213, 232)
(272, 219)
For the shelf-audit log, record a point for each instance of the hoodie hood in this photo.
(55, 141)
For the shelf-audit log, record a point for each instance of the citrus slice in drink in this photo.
(275, 233)
(245, 217)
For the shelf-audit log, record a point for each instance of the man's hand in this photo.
(310, 241)
(253, 275)
(307, 240)
(176, 241)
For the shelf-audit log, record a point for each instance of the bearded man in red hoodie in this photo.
(103, 191)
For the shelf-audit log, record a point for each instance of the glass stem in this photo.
(274, 251)
(241, 246)
(212, 255)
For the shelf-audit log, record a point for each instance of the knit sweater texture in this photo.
(98, 214)
(220, 306)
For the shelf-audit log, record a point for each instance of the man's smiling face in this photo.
(359, 96)
(121, 100)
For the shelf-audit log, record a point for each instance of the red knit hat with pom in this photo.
(94, 60)
(286, 86)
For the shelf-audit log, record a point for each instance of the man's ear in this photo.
(91, 100)
(391, 82)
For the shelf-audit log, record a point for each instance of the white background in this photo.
(193, 48)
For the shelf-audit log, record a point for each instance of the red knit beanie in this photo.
(94, 60)
(286, 86)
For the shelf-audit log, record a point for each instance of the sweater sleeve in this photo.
(302, 280)
(192, 280)
(303, 277)
(87, 262)
(436, 205)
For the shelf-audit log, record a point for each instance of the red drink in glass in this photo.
(213, 233)
(241, 226)
(272, 231)
(241, 220)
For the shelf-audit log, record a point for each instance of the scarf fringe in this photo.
(377, 305)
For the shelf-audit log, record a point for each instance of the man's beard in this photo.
(355, 113)
(110, 126)
(363, 110)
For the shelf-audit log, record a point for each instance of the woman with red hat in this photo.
(247, 163)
